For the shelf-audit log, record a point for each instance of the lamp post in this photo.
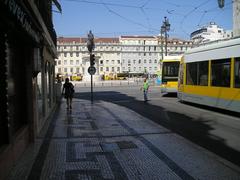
(91, 69)
(164, 29)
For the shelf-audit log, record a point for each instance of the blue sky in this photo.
(112, 18)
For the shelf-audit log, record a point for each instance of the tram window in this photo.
(221, 73)
(170, 69)
(192, 73)
(203, 73)
(197, 73)
(181, 74)
(237, 72)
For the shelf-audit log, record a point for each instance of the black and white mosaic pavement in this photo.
(107, 141)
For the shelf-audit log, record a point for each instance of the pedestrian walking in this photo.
(68, 91)
(145, 89)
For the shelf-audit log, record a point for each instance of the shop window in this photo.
(221, 73)
(40, 95)
(4, 138)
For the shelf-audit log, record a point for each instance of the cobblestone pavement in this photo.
(107, 141)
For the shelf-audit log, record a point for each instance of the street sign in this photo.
(91, 70)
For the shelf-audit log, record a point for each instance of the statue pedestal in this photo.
(87, 78)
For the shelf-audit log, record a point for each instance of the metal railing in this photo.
(112, 83)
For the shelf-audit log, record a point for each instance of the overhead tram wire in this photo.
(204, 13)
(128, 6)
(127, 19)
(145, 14)
(104, 33)
(189, 13)
(143, 7)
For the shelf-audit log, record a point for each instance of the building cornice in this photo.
(45, 33)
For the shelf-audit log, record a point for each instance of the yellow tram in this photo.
(210, 75)
(170, 69)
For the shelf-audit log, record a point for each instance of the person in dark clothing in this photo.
(68, 90)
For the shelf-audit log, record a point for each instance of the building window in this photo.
(65, 62)
(155, 61)
(65, 54)
(71, 62)
(71, 70)
(77, 62)
(77, 54)
(59, 70)
(71, 54)
(237, 72)
(118, 69)
(107, 61)
(118, 61)
(101, 68)
(112, 69)
(59, 62)
(107, 68)
(150, 61)
(101, 61)
(65, 70)
(155, 68)
(77, 70)
(112, 61)
(145, 61)
(139, 61)
(221, 73)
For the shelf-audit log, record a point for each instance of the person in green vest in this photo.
(145, 89)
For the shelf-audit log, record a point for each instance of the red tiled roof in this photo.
(136, 36)
(84, 40)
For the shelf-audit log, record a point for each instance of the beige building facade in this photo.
(126, 54)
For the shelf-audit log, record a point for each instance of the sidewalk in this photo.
(107, 141)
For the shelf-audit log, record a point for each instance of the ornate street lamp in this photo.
(166, 28)
(220, 3)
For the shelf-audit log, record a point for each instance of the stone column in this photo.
(236, 18)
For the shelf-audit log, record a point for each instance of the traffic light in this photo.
(92, 59)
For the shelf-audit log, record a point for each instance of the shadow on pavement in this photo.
(196, 130)
(173, 95)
